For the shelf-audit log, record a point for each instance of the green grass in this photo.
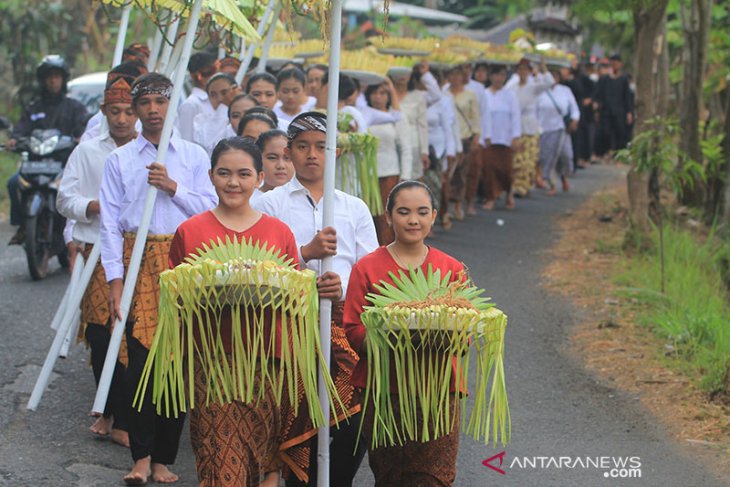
(8, 167)
(694, 313)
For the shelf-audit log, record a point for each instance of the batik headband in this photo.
(307, 122)
(118, 92)
(159, 85)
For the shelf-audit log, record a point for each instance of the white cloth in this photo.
(68, 231)
(208, 126)
(503, 109)
(527, 98)
(547, 113)
(377, 117)
(124, 188)
(80, 185)
(196, 103)
(93, 127)
(225, 133)
(293, 204)
(440, 132)
(450, 106)
(395, 157)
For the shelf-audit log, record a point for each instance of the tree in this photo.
(696, 22)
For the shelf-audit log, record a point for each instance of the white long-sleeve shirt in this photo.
(194, 104)
(208, 126)
(395, 157)
(547, 113)
(432, 94)
(440, 131)
(293, 204)
(504, 114)
(81, 183)
(527, 98)
(124, 187)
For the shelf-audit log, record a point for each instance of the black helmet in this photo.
(49, 63)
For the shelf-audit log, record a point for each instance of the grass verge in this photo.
(8, 167)
(693, 312)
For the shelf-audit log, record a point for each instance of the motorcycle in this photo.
(43, 156)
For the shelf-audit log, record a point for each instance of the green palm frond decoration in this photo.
(427, 328)
(357, 168)
(255, 285)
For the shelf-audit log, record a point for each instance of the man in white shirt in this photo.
(299, 204)
(558, 114)
(184, 190)
(78, 200)
(201, 67)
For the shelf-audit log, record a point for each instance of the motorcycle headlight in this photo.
(35, 145)
(48, 146)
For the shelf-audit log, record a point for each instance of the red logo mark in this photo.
(487, 463)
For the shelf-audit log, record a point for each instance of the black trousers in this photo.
(149, 433)
(117, 404)
(344, 460)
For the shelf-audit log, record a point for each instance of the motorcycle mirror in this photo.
(4, 123)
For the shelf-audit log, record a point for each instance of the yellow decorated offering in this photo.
(233, 306)
(422, 331)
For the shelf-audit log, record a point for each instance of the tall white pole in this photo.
(173, 62)
(122, 34)
(246, 61)
(170, 38)
(328, 220)
(61, 332)
(261, 67)
(130, 280)
(155, 49)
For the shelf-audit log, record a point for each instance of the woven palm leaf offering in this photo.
(254, 286)
(357, 164)
(422, 330)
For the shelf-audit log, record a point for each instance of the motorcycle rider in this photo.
(51, 110)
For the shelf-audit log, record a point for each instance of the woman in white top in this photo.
(442, 141)
(529, 85)
(236, 110)
(394, 150)
(290, 86)
(221, 89)
(502, 137)
(558, 114)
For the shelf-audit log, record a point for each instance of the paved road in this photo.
(558, 410)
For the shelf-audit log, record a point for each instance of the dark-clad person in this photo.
(51, 110)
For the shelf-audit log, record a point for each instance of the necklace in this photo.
(400, 262)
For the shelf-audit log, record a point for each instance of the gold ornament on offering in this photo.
(428, 328)
(256, 286)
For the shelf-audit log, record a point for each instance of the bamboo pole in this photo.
(122, 34)
(246, 61)
(155, 49)
(261, 67)
(170, 38)
(52, 355)
(71, 334)
(130, 280)
(328, 219)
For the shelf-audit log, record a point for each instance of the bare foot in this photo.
(161, 474)
(566, 184)
(470, 210)
(120, 437)
(271, 480)
(510, 202)
(489, 205)
(446, 222)
(102, 426)
(458, 212)
(140, 472)
(552, 192)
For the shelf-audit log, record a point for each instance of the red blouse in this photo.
(369, 271)
(205, 227)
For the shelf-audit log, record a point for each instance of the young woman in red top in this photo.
(235, 444)
(410, 211)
